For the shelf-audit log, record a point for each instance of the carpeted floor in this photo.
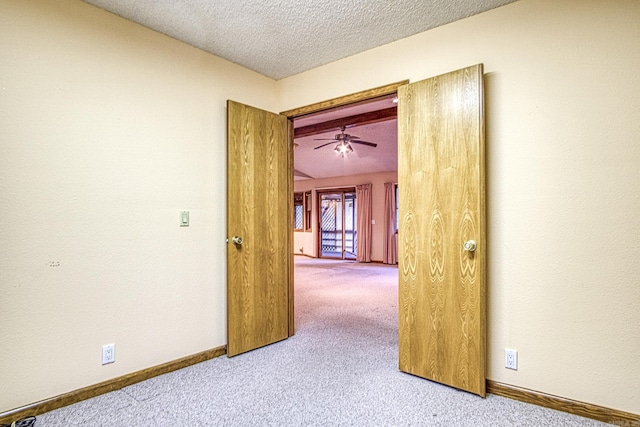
(339, 369)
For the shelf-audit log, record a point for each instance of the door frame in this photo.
(342, 101)
(291, 115)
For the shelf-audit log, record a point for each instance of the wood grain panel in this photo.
(365, 95)
(600, 413)
(442, 204)
(258, 199)
(107, 386)
(337, 124)
(289, 229)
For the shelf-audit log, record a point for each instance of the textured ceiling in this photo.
(280, 38)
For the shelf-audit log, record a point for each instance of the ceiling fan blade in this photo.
(370, 144)
(323, 145)
(338, 137)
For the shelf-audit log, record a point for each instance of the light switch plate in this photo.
(184, 218)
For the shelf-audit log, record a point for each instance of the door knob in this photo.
(237, 240)
(470, 245)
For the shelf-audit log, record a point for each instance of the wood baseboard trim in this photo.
(600, 413)
(373, 261)
(108, 386)
(304, 255)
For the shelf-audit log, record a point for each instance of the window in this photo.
(298, 212)
(302, 211)
(307, 211)
(397, 216)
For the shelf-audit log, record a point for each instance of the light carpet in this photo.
(340, 368)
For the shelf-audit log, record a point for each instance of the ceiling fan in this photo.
(344, 141)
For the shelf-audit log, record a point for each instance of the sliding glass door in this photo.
(337, 231)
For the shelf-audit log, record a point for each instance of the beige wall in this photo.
(309, 241)
(563, 146)
(108, 131)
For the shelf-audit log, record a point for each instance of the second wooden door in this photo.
(442, 238)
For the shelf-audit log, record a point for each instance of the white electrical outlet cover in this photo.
(511, 359)
(108, 353)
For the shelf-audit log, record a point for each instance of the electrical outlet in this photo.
(511, 359)
(108, 353)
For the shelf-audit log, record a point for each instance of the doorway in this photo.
(445, 115)
(337, 234)
(440, 128)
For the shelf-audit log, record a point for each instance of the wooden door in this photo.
(442, 206)
(259, 211)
